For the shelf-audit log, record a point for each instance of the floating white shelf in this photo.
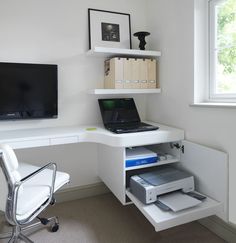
(109, 52)
(163, 162)
(123, 91)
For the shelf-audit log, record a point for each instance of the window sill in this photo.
(214, 105)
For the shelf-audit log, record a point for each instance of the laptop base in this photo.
(141, 127)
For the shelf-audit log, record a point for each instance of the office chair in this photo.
(28, 192)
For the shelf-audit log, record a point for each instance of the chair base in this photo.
(16, 236)
(19, 232)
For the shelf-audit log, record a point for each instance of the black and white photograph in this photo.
(109, 29)
(110, 32)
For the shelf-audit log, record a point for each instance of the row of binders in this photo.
(130, 73)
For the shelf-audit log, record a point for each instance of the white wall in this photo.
(56, 31)
(172, 25)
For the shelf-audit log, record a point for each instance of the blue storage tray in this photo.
(141, 161)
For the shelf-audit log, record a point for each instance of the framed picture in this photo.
(109, 29)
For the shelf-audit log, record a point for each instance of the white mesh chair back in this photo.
(11, 166)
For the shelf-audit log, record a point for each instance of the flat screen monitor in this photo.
(28, 91)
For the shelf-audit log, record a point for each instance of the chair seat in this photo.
(37, 190)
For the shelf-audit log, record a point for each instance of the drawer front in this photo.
(29, 143)
(64, 140)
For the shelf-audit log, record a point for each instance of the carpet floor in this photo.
(102, 219)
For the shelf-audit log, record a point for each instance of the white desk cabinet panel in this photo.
(111, 169)
(210, 170)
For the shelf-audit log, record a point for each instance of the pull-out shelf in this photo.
(162, 220)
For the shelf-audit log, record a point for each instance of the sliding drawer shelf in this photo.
(123, 91)
(162, 220)
(163, 162)
(112, 52)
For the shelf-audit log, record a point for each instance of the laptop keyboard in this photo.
(129, 128)
(126, 130)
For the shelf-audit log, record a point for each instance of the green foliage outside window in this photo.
(225, 49)
(226, 36)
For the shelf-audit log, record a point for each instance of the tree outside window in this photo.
(225, 48)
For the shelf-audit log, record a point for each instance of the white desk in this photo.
(29, 138)
(112, 170)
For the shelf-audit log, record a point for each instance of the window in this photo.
(222, 41)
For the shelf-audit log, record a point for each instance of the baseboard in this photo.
(79, 192)
(220, 228)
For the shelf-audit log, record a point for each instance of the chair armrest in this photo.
(29, 177)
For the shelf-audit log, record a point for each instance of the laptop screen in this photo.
(117, 111)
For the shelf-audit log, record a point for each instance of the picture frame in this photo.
(109, 29)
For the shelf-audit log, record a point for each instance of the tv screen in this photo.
(28, 91)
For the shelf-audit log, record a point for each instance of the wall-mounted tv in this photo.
(28, 91)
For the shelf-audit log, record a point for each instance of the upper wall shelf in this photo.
(123, 91)
(111, 52)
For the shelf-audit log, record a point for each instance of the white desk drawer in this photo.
(29, 143)
(64, 140)
(162, 220)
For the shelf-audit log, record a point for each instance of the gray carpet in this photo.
(103, 219)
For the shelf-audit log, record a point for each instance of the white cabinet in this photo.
(208, 166)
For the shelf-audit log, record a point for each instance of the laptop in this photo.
(121, 116)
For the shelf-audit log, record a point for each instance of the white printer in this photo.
(148, 186)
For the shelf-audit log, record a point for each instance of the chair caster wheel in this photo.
(55, 227)
(53, 201)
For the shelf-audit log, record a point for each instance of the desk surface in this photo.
(75, 134)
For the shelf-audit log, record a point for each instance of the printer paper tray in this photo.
(162, 220)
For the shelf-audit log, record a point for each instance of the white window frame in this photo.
(213, 97)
